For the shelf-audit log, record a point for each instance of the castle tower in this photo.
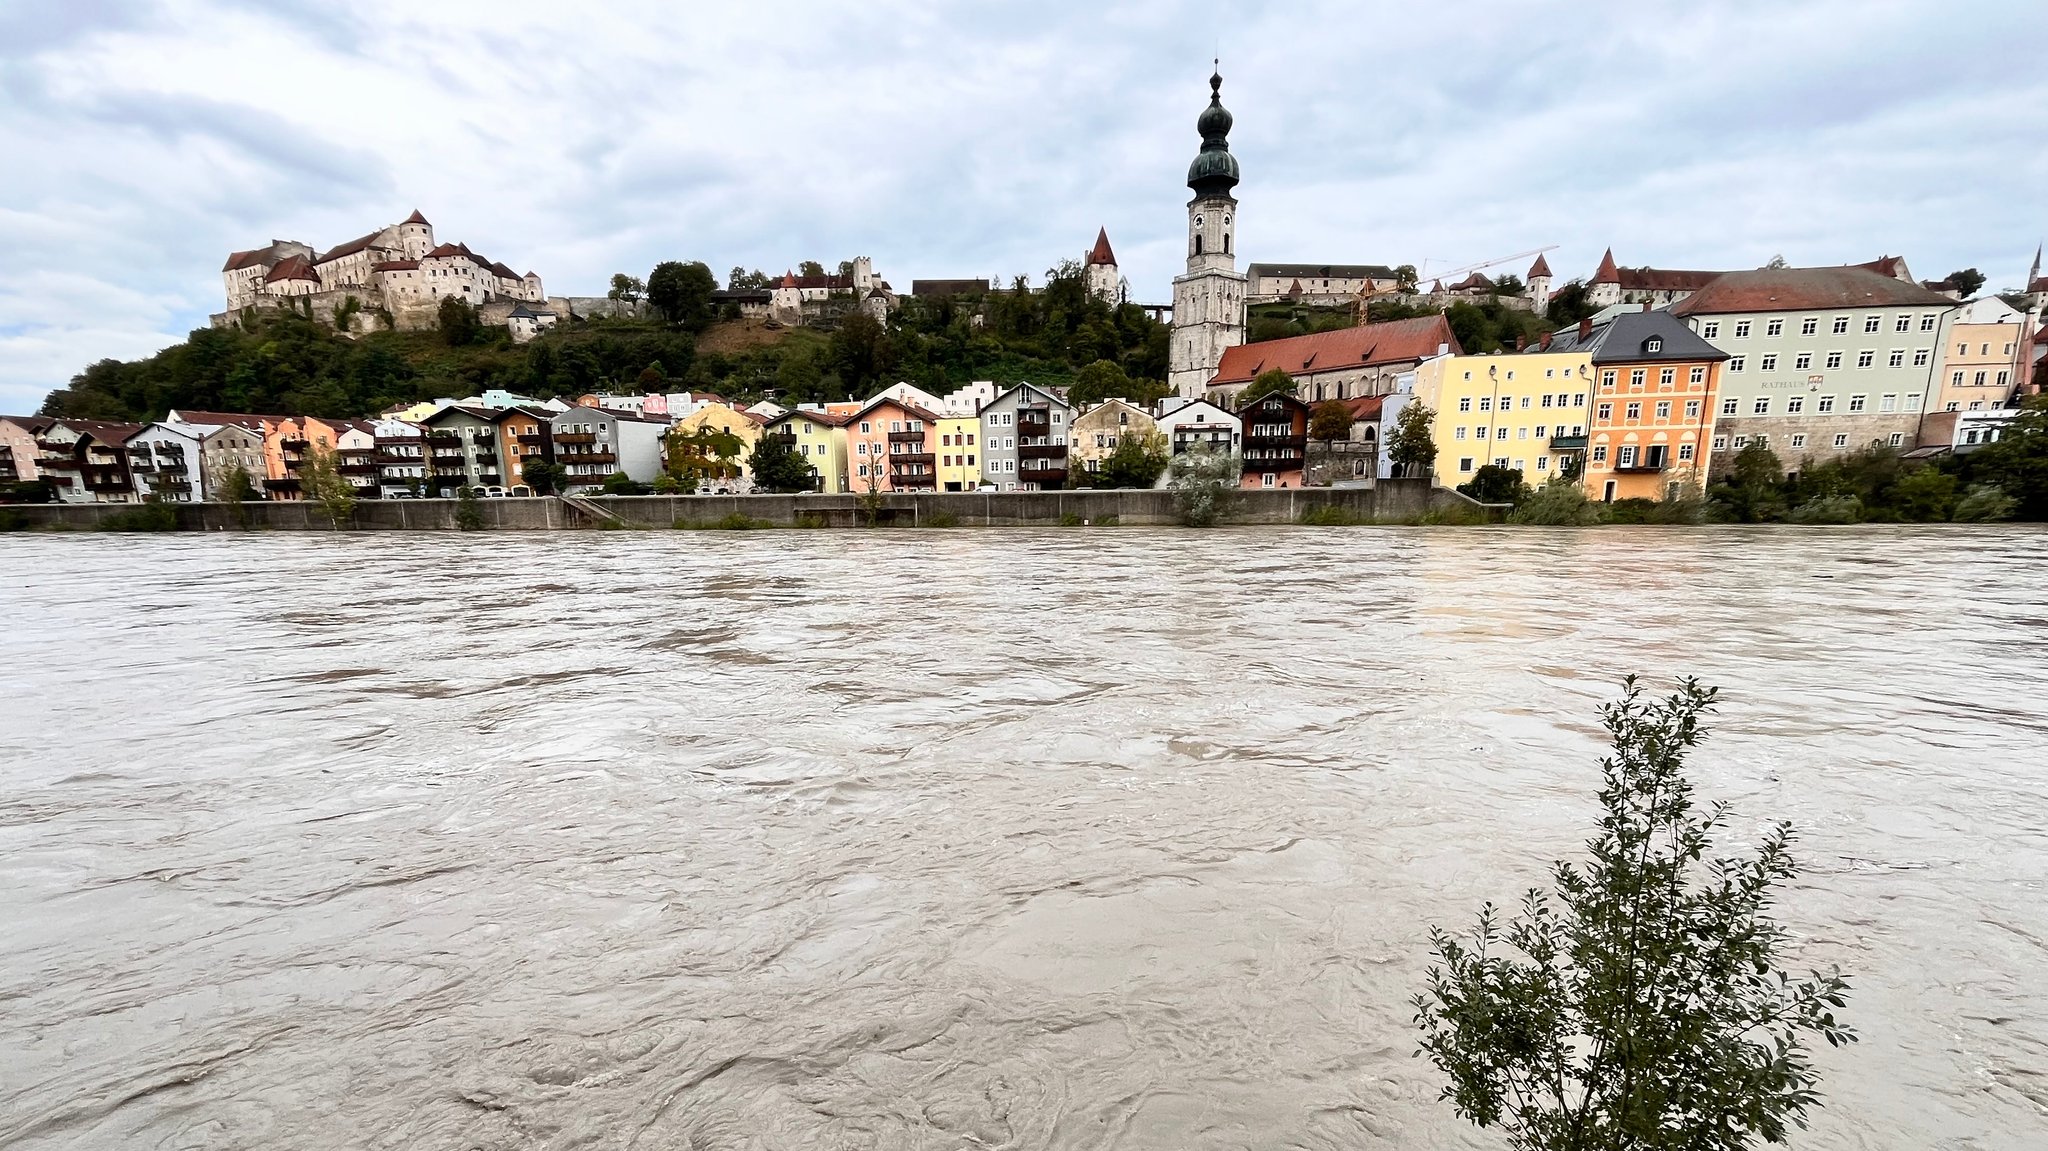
(1605, 287)
(1208, 301)
(1102, 280)
(1538, 283)
(416, 236)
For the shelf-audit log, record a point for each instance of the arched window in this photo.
(1226, 243)
(1198, 243)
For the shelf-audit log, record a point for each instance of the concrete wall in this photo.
(1391, 500)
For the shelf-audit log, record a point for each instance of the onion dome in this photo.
(1214, 171)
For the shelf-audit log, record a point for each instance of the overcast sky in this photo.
(144, 141)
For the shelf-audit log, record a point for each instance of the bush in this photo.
(736, 522)
(469, 512)
(1070, 520)
(809, 520)
(1494, 484)
(1109, 521)
(1827, 510)
(147, 518)
(1452, 515)
(1330, 516)
(1984, 503)
(1559, 503)
(940, 520)
(12, 521)
(1204, 486)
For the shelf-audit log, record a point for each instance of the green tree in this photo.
(459, 326)
(1404, 278)
(1097, 382)
(1984, 503)
(1643, 1004)
(810, 268)
(1494, 484)
(1923, 495)
(2017, 462)
(1509, 285)
(627, 288)
(741, 280)
(680, 293)
(1270, 382)
(1412, 447)
(237, 491)
(1330, 422)
(1749, 494)
(1137, 461)
(1967, 281)
(321, 481)
(1559, 503)
(469, 512)
(1205, 485)
(621, 484)
(776, 467)
(1568, 304)
(861, 353)
(543, 477)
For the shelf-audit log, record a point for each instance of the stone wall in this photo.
(1390, 501)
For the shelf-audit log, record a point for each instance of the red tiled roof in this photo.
(1606, 273)
(1789, 289)
(885, 398)
(1663, 279)
(1540, 268)
(292, 268)
(105, 431)
(239, 260)
(1364, 407)
(1893, 266)
(504, 272)
(830, 419)
(239, 419)
(2040, 284)
(350, 248)
(33, 425)
(458, 252)
(1473, 282)
(1100, 254)
(1393, 342)
(415, 218)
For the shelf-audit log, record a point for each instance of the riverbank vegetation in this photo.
(1645, 1001)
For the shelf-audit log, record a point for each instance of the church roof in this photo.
(1100, 253)
(1214, 171)
(1393, 342)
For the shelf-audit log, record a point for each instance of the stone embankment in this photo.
(1395, 501)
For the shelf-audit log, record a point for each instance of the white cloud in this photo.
(150, 140)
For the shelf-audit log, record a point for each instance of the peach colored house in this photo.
(891, 447)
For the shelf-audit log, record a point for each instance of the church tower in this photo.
(1208, 301)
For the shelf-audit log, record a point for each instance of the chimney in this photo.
(1545, 345)
(1646, 305)
(1521, 343)
(1586, 328)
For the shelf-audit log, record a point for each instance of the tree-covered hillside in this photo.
(286, 363)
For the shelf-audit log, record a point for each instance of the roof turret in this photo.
(1214, 171)
(1101, 254)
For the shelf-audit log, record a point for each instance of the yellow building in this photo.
(415, 413)
(959, 454)
(819, 437)
(693, 445)
(1525, 411)
(1098, 431)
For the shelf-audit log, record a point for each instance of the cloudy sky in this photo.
(143, 141)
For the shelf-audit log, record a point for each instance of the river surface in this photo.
(1107, 838)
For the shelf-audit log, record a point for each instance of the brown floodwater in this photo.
(1106, 838)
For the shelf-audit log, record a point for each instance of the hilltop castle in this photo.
(398, 270)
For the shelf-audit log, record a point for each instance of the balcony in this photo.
(107, 484)
(288, 484)
(536, 439)
(1041, 451)
(605, 457)
(357, 468)
(396, 460)
(897, 459)
(906, 437)
(172, 485)
(296, 444)
(1567, 443)
(1640, 467)
(575, 438)
(1293, 441)
(1041, 474)
(443, 438)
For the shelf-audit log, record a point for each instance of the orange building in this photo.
(1652, 420)
(891, 447)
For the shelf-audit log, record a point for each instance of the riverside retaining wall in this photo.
(1392, 501)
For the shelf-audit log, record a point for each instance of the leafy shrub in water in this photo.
(1984, 503)
(1332, 517)
(1204, 486)
(12, 521)
(1070, 520)
(147, 518)
(1559, 503)
(940, 520)
(1107, 521)
(1827, 510)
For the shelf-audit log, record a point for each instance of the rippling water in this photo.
(1022, 839)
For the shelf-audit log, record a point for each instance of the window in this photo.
(1521, 433)
(1742, 329)
(1834, 360)
(1979, 381)
(1802, 362)
(1730, 405)
(1600, 453)
(860, 449)
(863, 470)
(1663, 410)
(1542, 463)
(1697, 376)
(1809, 325)
(1486, 403)
(1865, 359)
(1692, 409)
(1888, 403)
(1605, 412)
(1547, 396)
(1741, 442)
(1872, 323)
(1841, 439)
(1913, 402)
(864, 428)
(1920, 357)
(1464, 463)
(1826, 405)
(1712, 330)
(1905, 324)
(1541, 428)
(1841, 325)
(1857, 403)
(1458, 433)
(1799, 439)
(1762, 407)
(1897, 358)
(1927, 323)
(1465, 403)
(1636, 377)
(1720, 443)
(1775, 328)
(1578, 399)
(1634, 412)
(1500, 433)
(1794, 405)
(1525, 399)
(1685, 453)
(2003, 377)
(1667, 376)
(1898, 438)
(1768, 364)
(1607, 378)
(1735, 364)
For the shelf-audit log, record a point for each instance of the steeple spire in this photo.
(1214, 171)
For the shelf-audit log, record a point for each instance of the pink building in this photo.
(890, 448)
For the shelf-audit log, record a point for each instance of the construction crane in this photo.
(1470, 268)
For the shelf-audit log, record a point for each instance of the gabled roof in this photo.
(1649, 279)
(1893, 266)
(1393, 342)
(885, 398)
(247, 420)
(350, 248)
(489, 415)
(458, 252)
(1322, 271)
(292, 268)
(1790, 289)
(503, 271)
(1051, 395)
(33, 425)
(248, 259)
(105, 431)
(1472, 283)
(1363, 407)
(1540, 268)
(1100, 254)
(829, 418)
(1215, 409)
(1623, 339)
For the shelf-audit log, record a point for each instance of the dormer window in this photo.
(1653, 345)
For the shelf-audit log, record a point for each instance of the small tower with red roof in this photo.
(1103, 281)
(415, 236)
(1538, 283)
(1605, 287)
